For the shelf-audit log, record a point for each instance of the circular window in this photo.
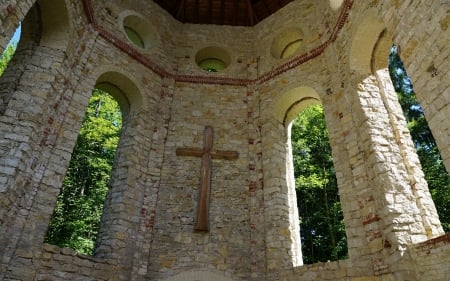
(336, 4)
(139, 31)
(287, 43)
(134, 36)
(212, 59)
(212, 65)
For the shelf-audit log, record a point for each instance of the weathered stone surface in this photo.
(147, 231)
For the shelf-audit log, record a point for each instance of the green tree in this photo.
(79, 206)
(321, 219)
(430, 158)
(7, 56)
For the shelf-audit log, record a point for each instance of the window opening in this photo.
(212, 59)
(336, 4)
(291, 48)
(10, 49)
(138, 30)
(134, 36)
(212, 65)
(79, 206)
(321, 218)
(430, 158)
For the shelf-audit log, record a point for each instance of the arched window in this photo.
(5, 58)
(10, 50)
(212, 65)
(212, 59)
(321, 219)
(430, 158)
(78, 210)
(134, 36)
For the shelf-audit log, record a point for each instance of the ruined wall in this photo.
(147, 227)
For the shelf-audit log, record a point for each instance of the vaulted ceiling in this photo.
(222, 12)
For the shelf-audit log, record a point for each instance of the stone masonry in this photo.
(68, 47)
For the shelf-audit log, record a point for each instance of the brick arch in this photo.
(198, 276)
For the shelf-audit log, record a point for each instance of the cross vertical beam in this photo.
(207, 153)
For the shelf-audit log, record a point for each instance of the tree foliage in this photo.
(430, 158)
(79, 206)
(7, 56)
(321, 220)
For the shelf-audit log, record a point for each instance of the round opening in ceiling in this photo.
(287, 43)
(138, 31)
(212, 59)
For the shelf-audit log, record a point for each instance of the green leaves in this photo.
(79, 206)
(7, 56)
(321, 221)
(437, 177)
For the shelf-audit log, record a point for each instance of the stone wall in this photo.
(425, 53)
(147, 230)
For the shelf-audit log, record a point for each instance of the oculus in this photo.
(138, 30)
(212, 59)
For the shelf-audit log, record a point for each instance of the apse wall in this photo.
(253, 82)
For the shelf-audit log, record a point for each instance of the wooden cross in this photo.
(207, 154)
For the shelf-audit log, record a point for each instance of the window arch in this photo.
(336, 4)
(96, 162)
(78, 210)
(115, 226)
(10, 49)
(430, 158)
(389, 158)
(286, 110)
(212, 59)
(6, 83)
(138, 30)
(321, 225)
(26, 110)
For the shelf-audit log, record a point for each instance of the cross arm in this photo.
(216, 154)
(188, 151)
(227, 155)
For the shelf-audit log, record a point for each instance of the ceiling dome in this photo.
(222, 12)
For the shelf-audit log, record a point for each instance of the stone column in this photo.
(414, 174)
(38, 141)
(127, 223)
(281, 217)
(384, 196)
